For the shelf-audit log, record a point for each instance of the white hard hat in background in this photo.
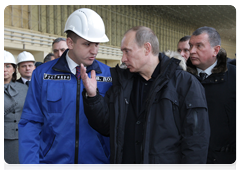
(87, 24)
(8, 57)
(25, 56)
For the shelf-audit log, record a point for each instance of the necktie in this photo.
(27, 83)
(78, 72)
(202, 75)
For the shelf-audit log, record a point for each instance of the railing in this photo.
(38, 39)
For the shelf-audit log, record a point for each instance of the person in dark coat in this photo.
(155, 112)
(220, 88)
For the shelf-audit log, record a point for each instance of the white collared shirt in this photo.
(25, 80)
(71, 64)
(208, 70)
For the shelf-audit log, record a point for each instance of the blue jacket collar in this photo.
(62, 65)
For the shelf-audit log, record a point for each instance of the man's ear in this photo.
(69, 43)
(216, 50)
(147, 47)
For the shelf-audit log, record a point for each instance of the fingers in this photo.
(93, 74)
(90, 84)
(82, 70)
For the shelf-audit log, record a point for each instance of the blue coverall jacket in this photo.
(53, 127)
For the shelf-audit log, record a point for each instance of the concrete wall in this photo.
(46, 22)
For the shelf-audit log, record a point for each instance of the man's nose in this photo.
(182, 53)
(192, 50)
(94, 49)
(60, 54)
(124, 58)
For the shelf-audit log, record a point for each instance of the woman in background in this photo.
(14, 97)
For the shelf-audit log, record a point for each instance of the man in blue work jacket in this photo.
(53, 127)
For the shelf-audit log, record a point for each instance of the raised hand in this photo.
(90, 84)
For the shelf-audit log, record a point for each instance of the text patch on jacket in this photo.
(57, 76)
(104, 79)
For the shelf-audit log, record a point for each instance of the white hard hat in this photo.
(8, 57)
(87, 24)
(25, 56)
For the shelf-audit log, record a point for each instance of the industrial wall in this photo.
(33, 28)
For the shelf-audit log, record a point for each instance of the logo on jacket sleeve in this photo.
(104, 79)
(57, 76)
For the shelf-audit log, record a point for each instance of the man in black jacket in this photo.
(219, 82)
(155, 112)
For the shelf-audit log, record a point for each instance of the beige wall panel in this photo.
(43, 18)
(8, 15)
(34, 17)
(16, 16)
(113, 27)
(51, 19)
(118, 19)
(112, 63)
(25, 19)
(230, 48)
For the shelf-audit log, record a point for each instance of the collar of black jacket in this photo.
(62, 65)
(167, 68)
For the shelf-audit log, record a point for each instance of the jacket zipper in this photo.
(77, 123)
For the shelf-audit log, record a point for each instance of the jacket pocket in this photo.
(47, 144)
(173, 99)
(165, 161)
(54, 97)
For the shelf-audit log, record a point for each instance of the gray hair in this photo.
(143, 35)
(58, 40)
(213, 36)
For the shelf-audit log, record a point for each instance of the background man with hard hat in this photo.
(14, 97)
(25, 61)
(53, 127)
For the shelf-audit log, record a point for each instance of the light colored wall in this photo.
(49, 20)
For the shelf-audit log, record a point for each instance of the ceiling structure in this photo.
(220, 17)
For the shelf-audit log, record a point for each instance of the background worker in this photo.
(49, 57)
(26, 65)
(183, 47)
(59, 45)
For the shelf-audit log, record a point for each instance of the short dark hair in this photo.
(14, 76)
(185, 38)
(143, 35)
(48, 57)
(72, 35)
(58, 40)
(213, 36)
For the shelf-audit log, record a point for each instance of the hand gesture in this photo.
(89, 83)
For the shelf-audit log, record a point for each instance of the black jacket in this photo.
(20, 80)
(177, 125)
(220, 88)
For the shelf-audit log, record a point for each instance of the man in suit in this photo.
(25, 61)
